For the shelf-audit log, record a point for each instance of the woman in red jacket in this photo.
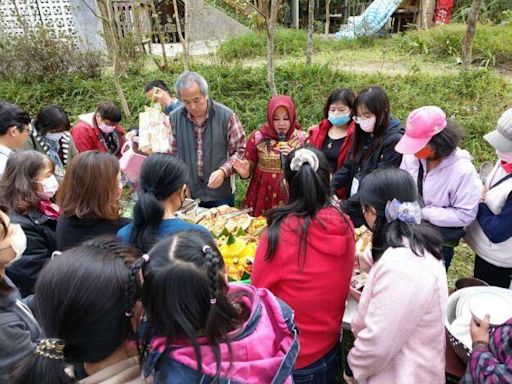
(305, 258)
(100, 130)
(335, 133)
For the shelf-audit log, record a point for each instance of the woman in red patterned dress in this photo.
(280, 135)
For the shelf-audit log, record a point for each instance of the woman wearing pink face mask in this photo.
(447, 180)
(490, 235)
(376, 135)
(27, 189)
(100, 130)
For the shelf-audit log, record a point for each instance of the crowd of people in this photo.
(88, 296)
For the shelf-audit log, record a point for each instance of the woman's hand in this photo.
(284, 148)
(480, 332)
(242, 166)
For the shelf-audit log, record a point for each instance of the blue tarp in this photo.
(373, 19)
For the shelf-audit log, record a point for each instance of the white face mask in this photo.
(50, 187)
(506, 157)
(367, 125)
(55, 136)
(18, 243)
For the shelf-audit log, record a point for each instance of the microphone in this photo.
(282, 139)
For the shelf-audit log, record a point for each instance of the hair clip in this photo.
(207, 249)
(128, 313)
(213, 301)
(145, 257)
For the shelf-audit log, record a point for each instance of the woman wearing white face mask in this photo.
(334, 135)
(50, 135)
(490, 235)
(376, 135)
(27, 189)
(19, 330)
(100, 130)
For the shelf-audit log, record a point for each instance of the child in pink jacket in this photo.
(399, 327)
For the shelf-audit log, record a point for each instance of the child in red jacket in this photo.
(305, 258)
(100, 130)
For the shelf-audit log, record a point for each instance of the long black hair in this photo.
(83, 297)
(185, 293)
(375, 100)
(161, 175)
(376, 190)
(309, 192)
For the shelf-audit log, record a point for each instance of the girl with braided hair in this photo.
(201, 329)
(85, 299)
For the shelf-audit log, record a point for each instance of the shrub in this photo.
(288, 42)
(42, 55)
(492, 44)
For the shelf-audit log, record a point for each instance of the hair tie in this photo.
(303, 156)
(408, 212)
(149, 190)
(207, 249)
(213, 301)
(50, 348)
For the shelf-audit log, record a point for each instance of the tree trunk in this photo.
(311, 14)
(271, 23)
(327, 16)
(183, 38)
(105, 8)
(467, 45)
(159, 34)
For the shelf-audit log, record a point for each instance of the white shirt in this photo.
(4, 155)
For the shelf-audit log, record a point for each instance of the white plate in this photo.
(497, 304)
(462, 308)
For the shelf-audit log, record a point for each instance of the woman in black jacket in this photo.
(27, 189)
(377, 133)
(89, 199)
(18, 328)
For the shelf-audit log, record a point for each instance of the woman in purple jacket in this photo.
(447, 180)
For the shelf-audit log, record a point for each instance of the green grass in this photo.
(288, 42)
(492, 45)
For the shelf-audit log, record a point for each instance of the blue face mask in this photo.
(339, 120)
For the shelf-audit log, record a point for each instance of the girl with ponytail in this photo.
(306, 258)
(85, 301)
(202, 329)
(163, 184)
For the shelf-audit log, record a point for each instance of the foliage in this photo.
(42, 55)
(492, 45)
(288, 42)
(238, 10)
(493, 11)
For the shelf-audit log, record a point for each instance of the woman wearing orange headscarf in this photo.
(264, 155)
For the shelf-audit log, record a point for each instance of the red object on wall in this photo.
(444, 9)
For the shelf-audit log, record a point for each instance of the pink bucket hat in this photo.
(422, 124)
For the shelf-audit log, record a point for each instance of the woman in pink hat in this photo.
(446, 178)
(490, 235)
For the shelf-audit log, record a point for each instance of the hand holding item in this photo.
(216, 179)
(284, 148)
(242, 166)
(161, 97)
(480, 332)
